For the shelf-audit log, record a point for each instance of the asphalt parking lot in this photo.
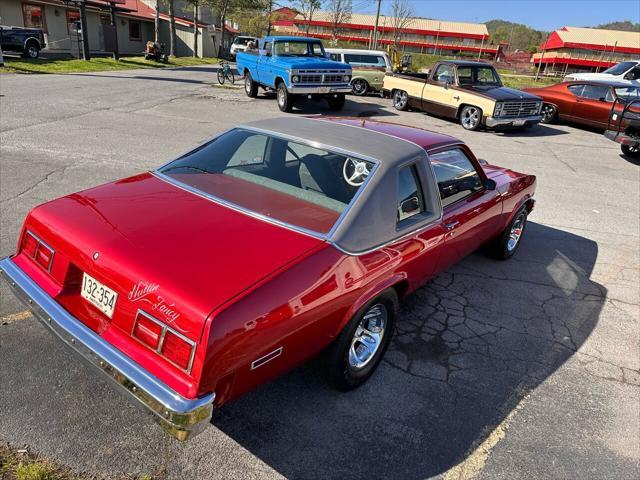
(498, 370)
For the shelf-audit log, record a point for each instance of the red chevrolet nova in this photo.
(272, 243)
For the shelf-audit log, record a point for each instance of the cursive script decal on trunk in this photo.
(144, 291)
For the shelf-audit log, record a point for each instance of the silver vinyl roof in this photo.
(370, 221)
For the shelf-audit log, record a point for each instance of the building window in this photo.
(134, 31)
(73, 16)
(33, 16)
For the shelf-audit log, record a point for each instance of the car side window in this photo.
(595, 92)
(444, 74)
(410, 200)
(634, 74)
(576, 89)
(456, 176)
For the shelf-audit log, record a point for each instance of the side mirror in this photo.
(327, 55)
(490, 184)
(446, 84)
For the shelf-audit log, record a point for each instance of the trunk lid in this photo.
(165, 250)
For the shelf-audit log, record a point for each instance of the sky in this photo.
(541, 14)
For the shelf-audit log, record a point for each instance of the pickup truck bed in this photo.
(27, 41)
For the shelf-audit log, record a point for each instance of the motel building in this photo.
(60, 19)
(573, 49)
(420, 35)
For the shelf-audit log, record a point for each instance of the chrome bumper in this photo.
(513, 122)
(179, 416)
(318, 89)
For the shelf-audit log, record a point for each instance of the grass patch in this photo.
(23, 465)
(525, 81)
(42, 65)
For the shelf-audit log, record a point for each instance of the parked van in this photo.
(368, 67)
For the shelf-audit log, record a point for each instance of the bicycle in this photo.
(225, 73)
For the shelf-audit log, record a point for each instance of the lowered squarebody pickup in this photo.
(294, 66)
(470, 92)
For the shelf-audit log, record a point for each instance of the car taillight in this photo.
(29, 244)
(38, 250)
(147, 330)
(177, 350)
(173, 346)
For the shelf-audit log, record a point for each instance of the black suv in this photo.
(27, 41)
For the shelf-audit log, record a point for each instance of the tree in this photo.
(339, 14)
(306, 8)
(196, 7)
(156, 23)
(226, 8)
(172, 29)
(401, 17)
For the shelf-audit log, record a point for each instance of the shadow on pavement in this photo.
(469, 345)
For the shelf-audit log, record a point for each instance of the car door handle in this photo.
(451, 225)
(456, 98)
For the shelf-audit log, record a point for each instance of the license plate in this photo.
(99, 295)
(519, 123)
(323, 90)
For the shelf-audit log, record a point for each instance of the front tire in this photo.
(221, 77)
(250, 87)
(506, 245)
(471, 118)
(336, 103)
(285, 99)
(359, 87)
(353, 357)
(400, 100)
(549, 113)
(631, 151)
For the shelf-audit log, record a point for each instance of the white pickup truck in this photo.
(625, 72)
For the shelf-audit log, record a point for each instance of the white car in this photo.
(625, 72)
(240, 44)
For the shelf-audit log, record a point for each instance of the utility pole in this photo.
(116, 50)
(86, 55)
(544, 49)
(375, 28)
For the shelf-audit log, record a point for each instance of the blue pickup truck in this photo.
(294, 66)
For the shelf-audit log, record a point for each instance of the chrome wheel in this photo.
(281, 97)
(400, 99)
(367, 338)
(470, 118)
(548, 113)
(359, 87)
(247, 84)
(516, 232)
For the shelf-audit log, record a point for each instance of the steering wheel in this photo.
(355, 171)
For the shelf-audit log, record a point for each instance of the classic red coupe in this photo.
(273, 242)
(586, 102)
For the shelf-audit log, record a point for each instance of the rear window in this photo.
(288, 181)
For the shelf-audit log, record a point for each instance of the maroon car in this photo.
(585, 102)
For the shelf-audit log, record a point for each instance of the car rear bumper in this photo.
(496, 122)
(316, 89)
(181, 417)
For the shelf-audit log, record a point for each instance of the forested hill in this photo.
(518, 36)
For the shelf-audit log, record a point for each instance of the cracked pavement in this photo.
(497, 370)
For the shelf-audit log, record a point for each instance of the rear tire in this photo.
(336, 103)
(630, 151)
(250, 87)
(31, 50)
(507, 244)
(359, 87)
(220, 77)
(285, 99)
(356, 353)
(400, 100)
